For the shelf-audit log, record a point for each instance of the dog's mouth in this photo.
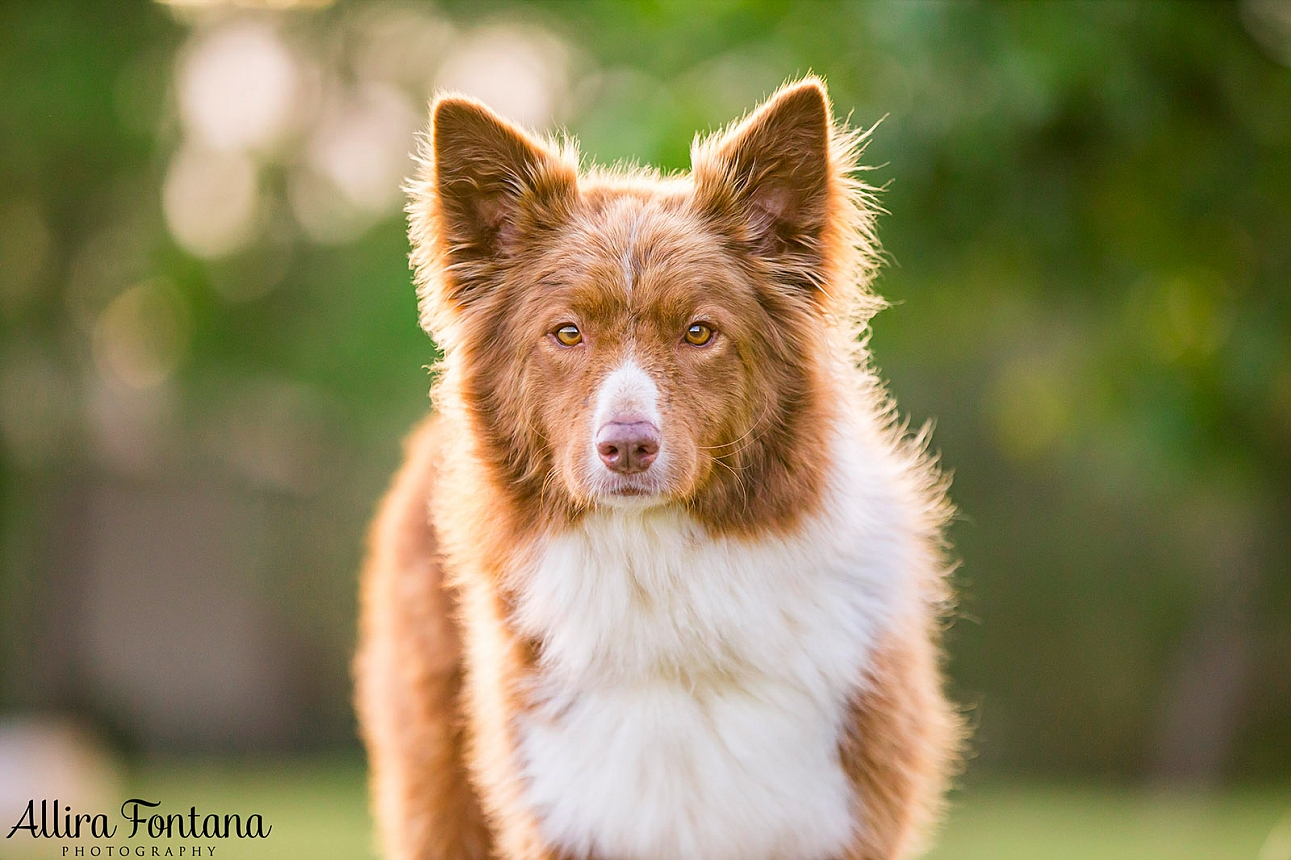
(629, 491)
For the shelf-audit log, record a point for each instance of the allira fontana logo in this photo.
(139, 819)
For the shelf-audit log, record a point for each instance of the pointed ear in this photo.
(488, 186)
(767, 180)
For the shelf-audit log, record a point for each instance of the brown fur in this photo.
(770, 240)
(409, 677)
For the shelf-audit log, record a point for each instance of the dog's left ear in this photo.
(767, 180)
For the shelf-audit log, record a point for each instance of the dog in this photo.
(663, 576)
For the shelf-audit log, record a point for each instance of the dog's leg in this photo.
(900, 747)
(407, 680)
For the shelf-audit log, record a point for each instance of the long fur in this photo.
(730, 656)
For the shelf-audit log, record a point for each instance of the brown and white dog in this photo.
(662, 577)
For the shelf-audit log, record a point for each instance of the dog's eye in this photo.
(569, 335)
(698, 334)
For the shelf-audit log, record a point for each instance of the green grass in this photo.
(318, 810)
(1013, 822)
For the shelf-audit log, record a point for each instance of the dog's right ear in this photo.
(485, 186)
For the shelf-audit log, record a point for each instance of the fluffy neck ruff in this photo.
(690, 689)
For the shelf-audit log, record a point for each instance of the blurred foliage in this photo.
(1089, 242)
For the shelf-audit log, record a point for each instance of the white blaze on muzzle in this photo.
(628, 394)
(626, 433)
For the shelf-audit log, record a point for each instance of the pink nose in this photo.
(627, 447)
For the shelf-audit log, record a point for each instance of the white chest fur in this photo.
(692, 688)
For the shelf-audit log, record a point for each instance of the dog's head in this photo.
(625, 339)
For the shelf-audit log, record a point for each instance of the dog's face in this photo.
(629, 340)
(635, 319)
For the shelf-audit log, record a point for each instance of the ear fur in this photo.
(771, 181)
(484, 184)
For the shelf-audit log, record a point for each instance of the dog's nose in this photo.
(627, 447)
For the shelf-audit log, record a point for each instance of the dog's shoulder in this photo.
(403, 578)
(402, 527)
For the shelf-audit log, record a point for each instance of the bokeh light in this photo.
(238, 87)
(521, 72)
(211, 200)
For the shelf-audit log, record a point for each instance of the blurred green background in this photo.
(209, 354)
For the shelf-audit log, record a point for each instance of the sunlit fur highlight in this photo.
(475, 620)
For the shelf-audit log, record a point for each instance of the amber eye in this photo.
(569, 335)
(698, 334)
